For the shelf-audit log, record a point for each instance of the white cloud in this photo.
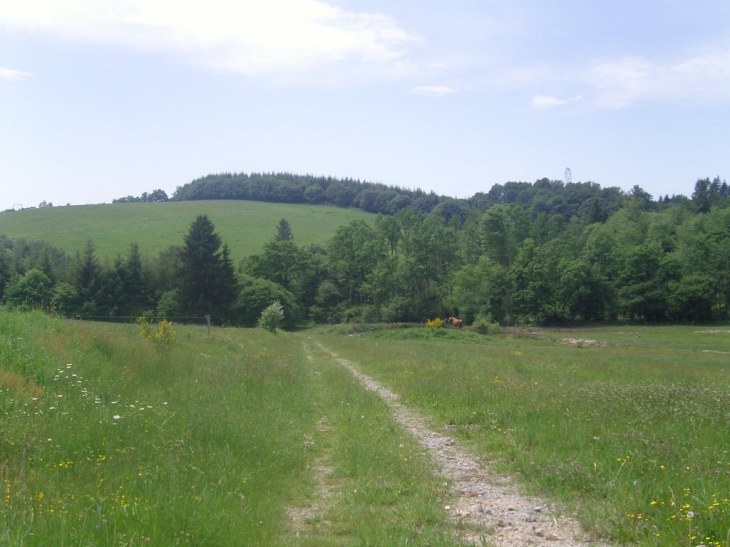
(247, 36)
(623, 82)
(545, 100)
(13, 75)
(434, 90)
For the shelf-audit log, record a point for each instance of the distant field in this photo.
(244, 225)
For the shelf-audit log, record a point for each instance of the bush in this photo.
(397, 310)
(272, 317)
(484, 325)
(65, 299)
(360, 314)
(164, 335)
(255, 295)
(437, 323)
(32, 290)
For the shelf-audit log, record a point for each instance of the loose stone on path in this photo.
(489, 506)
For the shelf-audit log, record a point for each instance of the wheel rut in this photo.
(486, 508)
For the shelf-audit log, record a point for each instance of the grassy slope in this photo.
(244, 225)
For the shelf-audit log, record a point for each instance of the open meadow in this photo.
(108, 439)
(629, 426)
(252, 438)
(244, 225)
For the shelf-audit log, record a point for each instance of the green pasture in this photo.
(252, 438)
(627, 426)
(108, 439)
(244, 225)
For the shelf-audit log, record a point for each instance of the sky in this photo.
(101, 99)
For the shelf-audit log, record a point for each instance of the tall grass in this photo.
(634, 435)
(109, 439)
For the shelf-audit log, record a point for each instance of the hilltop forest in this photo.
(522, 253)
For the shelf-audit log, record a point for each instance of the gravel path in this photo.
(490, 506)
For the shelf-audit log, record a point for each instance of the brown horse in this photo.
(456, 323)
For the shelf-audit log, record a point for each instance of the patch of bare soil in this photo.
(488, 506)
(583, 342)
(308, 520)
(712, 331)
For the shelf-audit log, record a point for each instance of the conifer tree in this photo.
(227, 282)
(206, 276)
(198, 267)
(283, 231)
(87, 278)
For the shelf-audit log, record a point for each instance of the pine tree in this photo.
(201, 271)
(198, 267)
(86, 278)
(283, 231)
(227, 283)
(135, 284)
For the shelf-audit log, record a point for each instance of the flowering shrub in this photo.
(437, 323)
(272, 317)
(164, 335)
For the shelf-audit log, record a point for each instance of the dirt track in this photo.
(490, 507)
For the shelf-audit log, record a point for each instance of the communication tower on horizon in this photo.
(568, 176)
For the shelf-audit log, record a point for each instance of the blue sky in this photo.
(105, 98)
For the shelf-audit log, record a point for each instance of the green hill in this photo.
(244, 225)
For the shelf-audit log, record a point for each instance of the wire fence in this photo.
(133, 318)
(204, 321)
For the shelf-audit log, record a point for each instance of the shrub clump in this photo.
(272, 317)
(484, 325)
(437, 323)
(163, 335)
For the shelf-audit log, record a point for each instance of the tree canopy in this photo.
(541, 253)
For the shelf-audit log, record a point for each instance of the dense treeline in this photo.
(156, 196)
(290, 188)
(586, 200)
(542, 253)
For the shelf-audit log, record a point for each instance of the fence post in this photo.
(207, 322)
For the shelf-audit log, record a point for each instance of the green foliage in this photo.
(282, 262)
(485, 325)
(283, 231)
(536, 253)
(86, 279)
(32, 290)
(169, 304)
(65, 299)
(206, 277)
(314, 194)
(272, 317)
(423, 334)
(156, 196)
(256, 295)
(482, 289)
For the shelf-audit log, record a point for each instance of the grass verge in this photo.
(108, 439)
